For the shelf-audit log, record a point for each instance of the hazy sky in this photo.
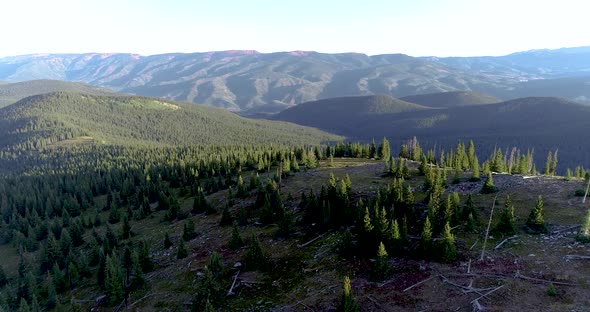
(414, 27)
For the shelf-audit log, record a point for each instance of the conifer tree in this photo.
(226, 217)
(507, 223)
(255, 256)
(584, 235)
(448, 252)
(114, 280)
(167, 242)
(381, 268)
(182, 252)
(426, 237)
(548, 164)
(236, 239)
(384, 150)
(3, 277)
(126, 229)
(535, 222)
(188, 230)
(347, 303)
(488, 186)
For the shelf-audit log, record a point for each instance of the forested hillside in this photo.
(40, 121)
(13, 92)
(541, 124)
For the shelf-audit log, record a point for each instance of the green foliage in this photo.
(506, 224)
(381, 268)
(448, 251)
(255, 258)
(347, 303)
(236, 239)
(182, 251)
(226, 217)
(188, 230)
(167, 242)
(535, 222)
(488, 186)
(551, 291)
(584, 235)
(114, 280)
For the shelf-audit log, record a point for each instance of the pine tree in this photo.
(126, 229)
(167, 242)
(215, 265)
(426, 237)
(488, 186)
(226, 217)
(347, 303)
(114, 280)
(182, 252)
(255, 257)
(535, 222)
(381, 268)
(236, 239)
(548, 164)
(448, 252)
(3, 277)
(188, 231)
(384, 150)
(507, 223)
(584, 235)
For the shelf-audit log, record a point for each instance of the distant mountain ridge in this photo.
(249, 81)
(451, 99)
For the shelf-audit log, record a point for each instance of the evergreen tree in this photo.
(144, 258)
(448, 252)
(114, 280)
(584, 235)
(488, 186)
(114, 215)
(426, 237)
(381, 268)
(126, 229)
(507, 223)
(215, 265)
(188, 230)
(167, 242)
(347, 303)
(384, 150)
(3, 277)
(226, 217)
(236, 239)
(182, 252)
(535, 222)
(255, 257)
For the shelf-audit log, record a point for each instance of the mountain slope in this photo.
(542, 123)
(337, 113)
(451, 99)
(12, 92)
(127, 120)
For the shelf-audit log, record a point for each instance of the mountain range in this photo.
(252, 82)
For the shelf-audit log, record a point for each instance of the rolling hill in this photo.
(248, 81)
(337, 114)
(451, 99)
(543, 123)
(46, 119)
(12, 92)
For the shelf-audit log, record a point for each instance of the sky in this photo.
(413, 27)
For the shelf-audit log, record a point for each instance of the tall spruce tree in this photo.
(347, 303)
(535, 222)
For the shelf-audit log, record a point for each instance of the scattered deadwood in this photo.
(477, 307)
(488, 293)
(230, 292)
(374, 301)
(504, 241)
(418, 284)
(474, 244)
(576, 257)
(141, 299)
(517, 275)
(252, 282)
(566, 229)
(306, 307)
(466, 289)
(485, 241)
(311, 241)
